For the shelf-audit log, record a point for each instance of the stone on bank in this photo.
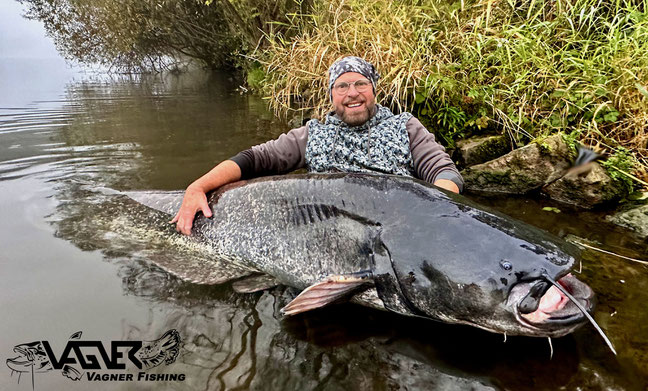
(635, 219)
(522, 170)
(541, 166)
(477, 150)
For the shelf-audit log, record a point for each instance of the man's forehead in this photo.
(350, 76)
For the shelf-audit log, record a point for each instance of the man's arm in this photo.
(431, 163)
(285, 154)
(195, 197)
(279, 156)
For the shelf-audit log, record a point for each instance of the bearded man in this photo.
(358, 136)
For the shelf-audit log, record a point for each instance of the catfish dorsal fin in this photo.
(326, 292)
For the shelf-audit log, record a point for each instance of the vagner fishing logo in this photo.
(79, 356)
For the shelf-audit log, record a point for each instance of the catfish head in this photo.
(485, 270)
(32, 357)
(164, 349)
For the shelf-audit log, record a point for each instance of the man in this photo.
(360, 136)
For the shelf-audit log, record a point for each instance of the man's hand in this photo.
(447, 184)
(195, 197)
(194, 200)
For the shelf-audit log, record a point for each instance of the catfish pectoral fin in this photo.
(255, 283)
(327, 291)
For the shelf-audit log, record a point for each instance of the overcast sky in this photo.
(22, 38)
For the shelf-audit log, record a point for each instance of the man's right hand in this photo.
(194, 200)
(195, 197)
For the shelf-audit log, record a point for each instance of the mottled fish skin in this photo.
(433, 253)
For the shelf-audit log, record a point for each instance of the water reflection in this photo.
(155, 132)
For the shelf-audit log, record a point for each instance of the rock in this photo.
(478, 150)
(586, 191)
(542, 166)
(295, 122)
(299, 119)
(635, 219)
(522, 170)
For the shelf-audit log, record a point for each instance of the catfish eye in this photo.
(506, 265)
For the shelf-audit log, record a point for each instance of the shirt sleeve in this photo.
(429, 158)
(279, 156)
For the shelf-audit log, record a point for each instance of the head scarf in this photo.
(352, 64)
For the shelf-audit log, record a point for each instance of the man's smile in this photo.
(353, 105)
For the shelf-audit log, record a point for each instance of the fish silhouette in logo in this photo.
(164, 349)
(33, 359)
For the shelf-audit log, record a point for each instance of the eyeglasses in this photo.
(361, 85)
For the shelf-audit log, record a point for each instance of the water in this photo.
(76, 257)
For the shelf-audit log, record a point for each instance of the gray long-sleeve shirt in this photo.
(287, 153)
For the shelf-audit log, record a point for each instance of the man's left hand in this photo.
(447, 184)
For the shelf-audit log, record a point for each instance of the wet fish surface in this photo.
(389, 242)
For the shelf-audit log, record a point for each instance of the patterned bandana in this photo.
(352, 64)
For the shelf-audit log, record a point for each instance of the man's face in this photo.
(354, 108)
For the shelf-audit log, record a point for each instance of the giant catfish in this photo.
(391, 242)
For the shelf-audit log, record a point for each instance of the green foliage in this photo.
(621, 159)
(572, 141)
(574, 108)
(255, 77)
(544, 148)
(450, 123)
(619, 165)
(251, 20)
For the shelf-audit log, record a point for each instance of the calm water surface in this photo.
(77, 257)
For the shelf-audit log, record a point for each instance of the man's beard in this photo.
(358, 118)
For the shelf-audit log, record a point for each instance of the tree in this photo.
(151, 35)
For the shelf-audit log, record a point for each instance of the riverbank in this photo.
(476, 69)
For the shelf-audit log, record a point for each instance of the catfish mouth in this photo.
(24, 360)
(28, 358)
(543, 306)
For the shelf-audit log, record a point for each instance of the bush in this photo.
(141, 36)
